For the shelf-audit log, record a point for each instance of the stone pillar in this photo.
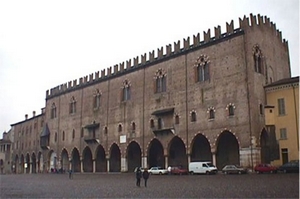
(94, 165)
(144, 162)
(107, 165)
(81, 165)
(124, 165)
(166, 161)
(30, 168)
(188, 159)
(214, 157)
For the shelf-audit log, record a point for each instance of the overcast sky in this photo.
(47, 43)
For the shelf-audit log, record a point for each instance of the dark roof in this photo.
(283, 81)
(163, 111)
(92, 126)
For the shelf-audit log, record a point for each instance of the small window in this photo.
(55, 137)
(230, 108)
(211, 114)
(126, 91)
(261, 109)
(176, 119)
(133, 126)
(151, 123)
(73, 134)
(72, 108)
(81, 133)
(105, 130)
(63, 135)
(258, 59)
(193, 116)
(53, 111)
(120, 128)
(283, 135)
(202, 69)
(97, 98)
(160, 81)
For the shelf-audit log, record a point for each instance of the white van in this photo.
(202, 167)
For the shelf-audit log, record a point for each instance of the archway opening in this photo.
(201, 150)
(156, 154)
(33, 158)
(177, 153)
(75, 161)
(27, 163)
(87, 160)
(133, 156)
(101, 165)
(64, 161)
(227, 150)
(265, 150)
(115, 159)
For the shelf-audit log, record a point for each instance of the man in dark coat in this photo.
(138, 175)
(145, 176)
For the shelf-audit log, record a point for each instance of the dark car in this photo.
(290, 167)
(265, 168)
(234, 169)
(178, 170)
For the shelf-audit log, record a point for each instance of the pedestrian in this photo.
(138, 175)
(169, 170)
(146, 176)
(70, 174)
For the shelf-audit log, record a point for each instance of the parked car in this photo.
(141, 168)
(234, 169)
(158, 171)
(178, 170)
(290, 167)
(265, 168)
(202, 168)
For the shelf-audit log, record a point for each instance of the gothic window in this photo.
(193, 116)
(97, 97)
(72, 106)
(258, 59)
(55, 137)
(202, 69)
(81, 133)
(126, 91)
(53, 111)
(177, 119)
(105, 130)
(261, 109)
(230, 108)
(160, 81)
(211, 111)
(151, 123)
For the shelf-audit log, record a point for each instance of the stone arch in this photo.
(115, 158)
(227, 150)
(264, 147)
(156, 153)
(33, 160)
(75, 165)
(87, 160)
(177, 152)
(27, 163)
(64, 160)
(200, 149)
(101, 165)
(134, 154)
(1, 166)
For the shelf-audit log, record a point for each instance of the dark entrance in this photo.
(27, 165)
(265, 150)
(33, 158)
(64, 160)
(101, 165)
(115, 159)
(22, 164)
(227, 150)
(87, 160)
(177, 153)
(76, 161)
(201, 150)
(156, 154)
(133, 156)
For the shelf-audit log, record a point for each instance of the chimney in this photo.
(33, 113)
(26, 116)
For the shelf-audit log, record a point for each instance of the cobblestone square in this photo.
(122, 185)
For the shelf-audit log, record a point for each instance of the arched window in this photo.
(202, 69)
(211, 112)
(230, 108)
(97, 99)
(126, 93)
(53, 111)
(63, 135)
(105, 130)
(55, 137)
(73, 134)
(133, 127)
(73, 105)
(120, 128)
(258, 59)
(160, 81)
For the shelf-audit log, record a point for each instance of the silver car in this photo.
(234, 169)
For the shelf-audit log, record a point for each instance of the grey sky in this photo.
(47, 43)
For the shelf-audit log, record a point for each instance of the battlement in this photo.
(170, 51)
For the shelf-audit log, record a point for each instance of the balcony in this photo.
(163, 131)
(90, 136)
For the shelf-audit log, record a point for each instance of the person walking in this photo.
(70, 174)
(138, 175)
(146, 176)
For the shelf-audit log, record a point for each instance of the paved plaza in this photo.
(122, 185)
